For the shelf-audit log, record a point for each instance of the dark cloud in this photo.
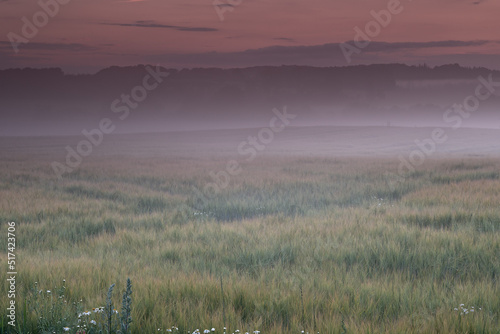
(284, 39)
(389, 47)
(152, 24)
(314, 51)
(34, 54)
(320, 51)
(34, 46)
(222, 5)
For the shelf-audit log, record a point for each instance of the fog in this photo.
(145, 99)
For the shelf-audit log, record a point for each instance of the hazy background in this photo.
(230, 63)
(50, 102)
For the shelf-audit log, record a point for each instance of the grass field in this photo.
(294, 243)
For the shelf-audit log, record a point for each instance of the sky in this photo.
(84, 36)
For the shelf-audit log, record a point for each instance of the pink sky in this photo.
(86, 35)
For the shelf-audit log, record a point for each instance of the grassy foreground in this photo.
(314, 244)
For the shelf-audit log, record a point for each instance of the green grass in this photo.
(315, 244)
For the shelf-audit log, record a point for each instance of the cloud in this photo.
(222, 5)
(319, 51)
(390, 47)
(288, 52)
(152, 24)
(285, 39)
(34, 46)
(37, 54)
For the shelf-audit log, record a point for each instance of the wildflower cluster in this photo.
(464, 310)
(90, 321)
(55, 315)
(52, 311)
(174, 329)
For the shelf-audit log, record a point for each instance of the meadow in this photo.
(294, 243)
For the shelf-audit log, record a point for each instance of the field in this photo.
(306, 237)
